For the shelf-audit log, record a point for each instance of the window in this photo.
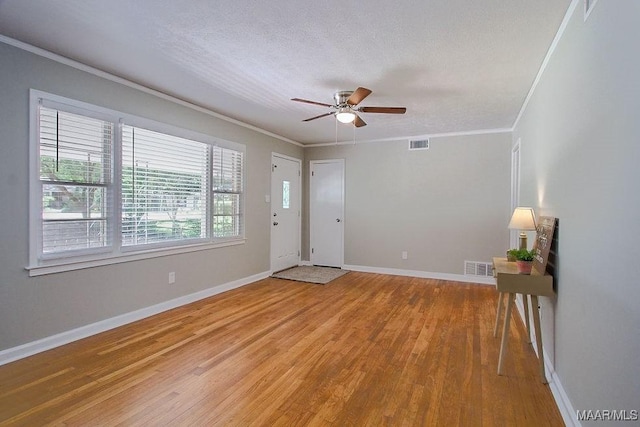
(109, 186)
(285, 194)
(227, 192)
(164, 187)
(75, 181)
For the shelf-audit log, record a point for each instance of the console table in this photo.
(509, 282)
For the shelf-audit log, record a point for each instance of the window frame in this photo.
(40, 263)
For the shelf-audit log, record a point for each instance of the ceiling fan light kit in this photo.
(345, 109)
(345, 115)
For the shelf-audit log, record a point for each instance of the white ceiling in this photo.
(457, 65)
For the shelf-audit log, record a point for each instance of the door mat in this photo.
(311, 274)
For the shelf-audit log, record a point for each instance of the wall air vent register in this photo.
(418, 144)
(476, 268)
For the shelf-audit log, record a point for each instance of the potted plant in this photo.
(524, 260)
(511, 255)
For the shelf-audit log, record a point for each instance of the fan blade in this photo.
(386, 110)
(358, 122)
(357, 96)
(317, 117)
(306, 101)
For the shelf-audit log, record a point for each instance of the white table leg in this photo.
(505, 331)
(525, 301)
(536, 325)
(498, 313)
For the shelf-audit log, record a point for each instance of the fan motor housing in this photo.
(341, 97)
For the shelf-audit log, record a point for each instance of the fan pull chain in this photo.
(354, 133)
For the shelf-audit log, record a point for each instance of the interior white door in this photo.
(285, 212)
(326, 215)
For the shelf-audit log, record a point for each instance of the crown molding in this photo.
(424, 136)
(112, 77)
(547, 58)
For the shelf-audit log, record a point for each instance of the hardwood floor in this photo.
(365, 349)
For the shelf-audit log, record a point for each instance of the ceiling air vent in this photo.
(418, 144)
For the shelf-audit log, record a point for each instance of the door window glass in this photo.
(285, 194)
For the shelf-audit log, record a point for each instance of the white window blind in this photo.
(106, 186)
(227, 172)
(75, 160)
(164, 187)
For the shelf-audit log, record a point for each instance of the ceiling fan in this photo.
(345, 109)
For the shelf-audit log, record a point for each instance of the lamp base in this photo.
(523, 241)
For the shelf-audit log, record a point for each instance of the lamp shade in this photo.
(523, 219)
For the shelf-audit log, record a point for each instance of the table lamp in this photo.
(523, 219)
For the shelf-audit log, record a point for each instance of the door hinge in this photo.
(312, 250)
(298, 253)
(312, 173)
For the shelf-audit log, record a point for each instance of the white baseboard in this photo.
(559, 395)
(422, 274)
(25, 350)
(569, 414)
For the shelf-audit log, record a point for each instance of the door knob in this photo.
(337, 219)
(275, 223)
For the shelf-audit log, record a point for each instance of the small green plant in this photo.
(511, 254)
(525, 255)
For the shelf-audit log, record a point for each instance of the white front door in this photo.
(326, 215)
(285, 212)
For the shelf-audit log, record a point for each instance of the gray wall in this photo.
(443, 205)
(580, 163)
(34, 308)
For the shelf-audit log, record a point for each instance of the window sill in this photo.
(60, 266)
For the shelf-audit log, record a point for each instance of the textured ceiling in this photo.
(457, 65)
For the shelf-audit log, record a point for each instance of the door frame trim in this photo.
(516, 163)
(343, 213)
(299, 162)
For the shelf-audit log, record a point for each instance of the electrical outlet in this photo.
(405, 255)
(172, 277)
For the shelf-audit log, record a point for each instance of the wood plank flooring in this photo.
(363, 350)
